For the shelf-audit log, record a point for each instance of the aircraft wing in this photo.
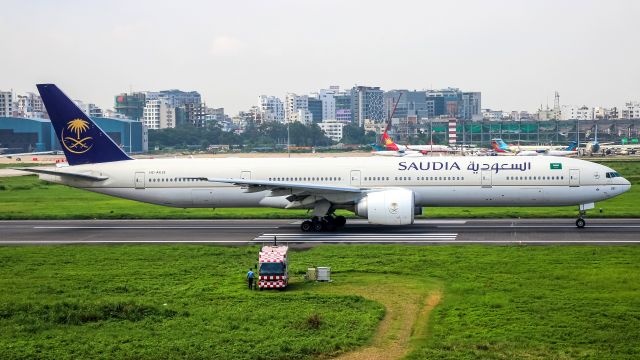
(79, 176)
(260, 185)
(27, 154)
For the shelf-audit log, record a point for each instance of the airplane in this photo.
(501, 148)
(424, 149)
(384, 190)
(381, 151)
(392, 149)
(607, 148)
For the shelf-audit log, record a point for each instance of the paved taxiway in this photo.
(240, 232)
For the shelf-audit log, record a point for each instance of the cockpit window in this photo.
(613, 174)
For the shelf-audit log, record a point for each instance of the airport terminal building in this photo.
(34, 135)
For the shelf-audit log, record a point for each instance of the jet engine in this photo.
(387, 207)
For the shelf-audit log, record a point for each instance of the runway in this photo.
(246, 232)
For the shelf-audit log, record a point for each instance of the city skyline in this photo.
(516, 53)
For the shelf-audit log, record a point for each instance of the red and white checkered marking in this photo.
(273, 254)
(272, 284)
(273, 277)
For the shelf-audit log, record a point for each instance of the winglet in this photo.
(82, 141)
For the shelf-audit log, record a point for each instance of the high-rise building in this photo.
(6, 103)
(445, 102)
(630, 110)
(572, 112)
(303, 116)
(332, 129)
(425, 104)
(188, 105)
(367, 103)
(130, 105)
(410, 103)
(493, 115)
(328, 102)
(90, 109)
(314, 105)
(271, 108)
(293, 104)
(470, 106)
(194, 114)
(174, 97)
(30, 106)
(343, 107)
(157, 114)
(215, 114)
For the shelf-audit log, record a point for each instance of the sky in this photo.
(517, 53)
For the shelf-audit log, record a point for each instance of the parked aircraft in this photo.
(425, 149)
(385, 190)
(501, 148)
(597, 148)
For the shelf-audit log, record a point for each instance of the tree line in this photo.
(270, 135)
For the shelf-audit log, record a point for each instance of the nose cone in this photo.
(626, 185)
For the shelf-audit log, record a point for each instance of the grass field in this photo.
(28, 198)
(190, 302)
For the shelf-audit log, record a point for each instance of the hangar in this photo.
(27, 135)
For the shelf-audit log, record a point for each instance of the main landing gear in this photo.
(323, 223)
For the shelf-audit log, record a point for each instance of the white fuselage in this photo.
(441, 181)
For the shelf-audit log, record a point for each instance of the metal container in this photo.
(324, 273)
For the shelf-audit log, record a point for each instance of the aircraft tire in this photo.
(306, 226)
(340, 221)
(329, 224)
(317, 226)
(580, 223)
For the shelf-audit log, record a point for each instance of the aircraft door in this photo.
(355, 178)
(139, 180)
(574, 177)
(485, 178)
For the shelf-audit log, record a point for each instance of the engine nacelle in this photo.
(387, 207)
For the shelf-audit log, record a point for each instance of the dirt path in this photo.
(407, 313)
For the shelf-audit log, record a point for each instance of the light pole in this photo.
(288, 140)
(578, 135)
(431, 134)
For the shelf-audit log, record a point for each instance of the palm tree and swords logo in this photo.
(77, 144)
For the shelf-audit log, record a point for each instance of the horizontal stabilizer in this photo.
(79, 176)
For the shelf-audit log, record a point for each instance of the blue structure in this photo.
(315, 108)
(27, 135)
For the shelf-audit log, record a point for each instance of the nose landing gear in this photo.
(580, 223)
